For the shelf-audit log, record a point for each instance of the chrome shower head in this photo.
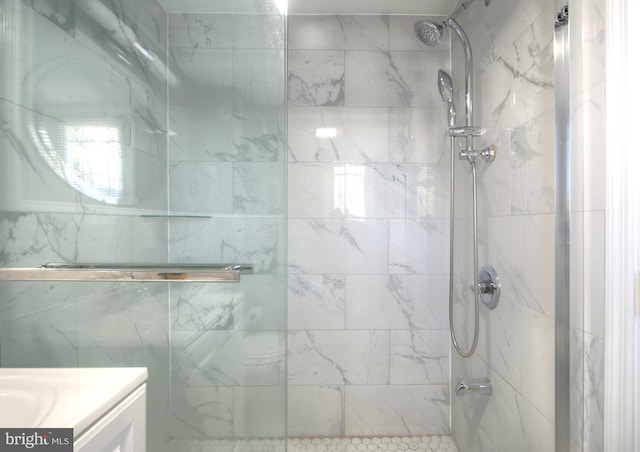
(429, 33)
(445, 86)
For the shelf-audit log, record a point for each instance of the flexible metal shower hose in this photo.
(454, 340)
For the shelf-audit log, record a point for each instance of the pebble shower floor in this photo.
(432, 443)
(377, 444)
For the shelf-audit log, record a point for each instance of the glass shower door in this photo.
(122, 143)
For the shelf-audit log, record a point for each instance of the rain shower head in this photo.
(445, 86)
(429, 33)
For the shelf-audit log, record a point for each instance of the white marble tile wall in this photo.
(514, 98)
(368, 344)
(513, 55)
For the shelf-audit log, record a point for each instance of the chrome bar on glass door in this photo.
(221, 273)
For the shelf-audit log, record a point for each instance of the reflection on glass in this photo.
(94, 159)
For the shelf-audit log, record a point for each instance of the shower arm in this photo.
(464, 5)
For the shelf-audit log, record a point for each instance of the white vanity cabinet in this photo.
(122, 429)
(105, 407)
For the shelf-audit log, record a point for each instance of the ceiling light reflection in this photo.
(326, 132)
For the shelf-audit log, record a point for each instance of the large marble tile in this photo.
(417, 135)
(225, 31)
(403, 302)
(368, 190)
(203, 307)
(338, 32)
(588, 139)
(317, 357)
(338, 246)
(235, 240)
(359, 134)
(432, 254)
(226, 358)
(206, 75)
(256, 303)
(588, 45)
(21, 299)
(521, 83)
(315, 411)
(258, 188)
(316, 190)
(316, 302)
(530, 62)
(520, 279)
(419, 357)
(48, 338)
(222, 132)
(393, 79)
(125, 327)
(577, 386)
(204, 412)
(594, 274)
(252, 84)
(532, 175)
(316, 77)
(594, 397)
(77, 238)
(519, 344)
(260, 412)
(504, 421)
(494, 178)
(381, 190)
(396, 410)
(204, 188)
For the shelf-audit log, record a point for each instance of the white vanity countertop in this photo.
(64, 398)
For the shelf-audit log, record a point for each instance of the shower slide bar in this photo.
(54, 271)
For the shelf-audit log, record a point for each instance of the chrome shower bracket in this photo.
(470, 154)
(488, 154)
(488, 286)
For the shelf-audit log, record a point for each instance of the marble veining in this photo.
(316, 77)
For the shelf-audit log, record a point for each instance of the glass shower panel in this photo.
(227, 167)
(118, 145)
(83, 158)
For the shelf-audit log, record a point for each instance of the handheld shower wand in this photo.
(445, 85)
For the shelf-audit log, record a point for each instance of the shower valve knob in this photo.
(484, 287)
(488, 286)
(489, 153)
